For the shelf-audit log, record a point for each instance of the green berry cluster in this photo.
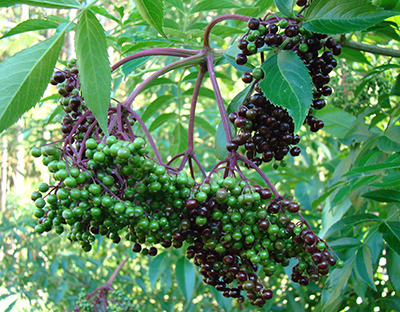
(115, 300)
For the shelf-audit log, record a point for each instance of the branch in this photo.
(156, 51)
(371, 48)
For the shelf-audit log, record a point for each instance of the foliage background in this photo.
(348, 174)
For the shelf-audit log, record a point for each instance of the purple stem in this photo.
(199, 165)
(156, 51)
(218, 97)
(148, 135)
(217, 20)
(261, 173)
(187, 62)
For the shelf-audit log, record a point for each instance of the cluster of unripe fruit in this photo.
(266, 130)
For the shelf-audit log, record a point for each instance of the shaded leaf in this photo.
(156, 268)
(58, 4)
(220, 141)
(238, 100)
(291, 85)
(354, 56)
(94, 66)
(156, 105)
(364, 265)
(391, 302)
(285, 7)
(392, 180)
(339, 16)
(177, 4)
(207, 5)
(161, 120)
(152, 11)
(179, 139)
(30, 25)
(185, 278)
(351, 221)
(390, 142)
(344, 243)
(337, 281)
(371, 168)
(224, 303)
(230, 56)
(390, 231)
(25, 76)
(393, 267)
(337, 121)
(129, 67)
(205, 125)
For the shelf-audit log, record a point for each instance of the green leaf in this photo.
(211, 5)
(30, 25)
(354, 56)
(351, 221)
(371, 168)
(161, 120)
(364, 266)
(393, 267)
(337, 121)
(238, 100)
(185, 278)
(156, 105)
(102, 11)
(152, 11)
(179, 139)
(129, 67)
(393, 303)
(390, 231)
(285, 7)
(94, 66)
(390, 142)
(157, 267)
(205, 125)
(287, 83)
(392, 180)
(220, 141)
(57, 4)
(343, 16)
(344, 243)
(337, 281)
(230, 56)
(25, 76)
(206, 92)
(383, 196)
(177, 4)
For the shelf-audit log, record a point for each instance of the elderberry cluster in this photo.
(266, 129)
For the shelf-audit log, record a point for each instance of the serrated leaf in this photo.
(179, 139)
(152, 11)
(130, 66)
(337, 281)
(371, 168)
(364, 265)
(161, 120)
(393, 267)
(285, 7)
(156, 268)
(94, 66)
(185, 278)
(383, 196)
(156, 105)
(25, 76)
(287, 83)
(390, 231)
(343, 16)
(57, 4)
(220, 141)
(205, 125)
(30, 25)
(177, 4)
(351, 221)
(102, 11)
(208, 5)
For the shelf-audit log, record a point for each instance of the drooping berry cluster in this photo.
(266, 131)
(317, 52)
